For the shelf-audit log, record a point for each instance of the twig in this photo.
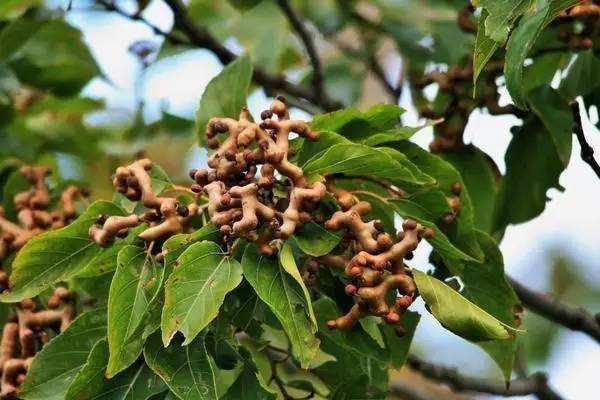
(111, 6)
(536, 384)
(201, 37)
(577, 319)
(587, 152)
(309, 44)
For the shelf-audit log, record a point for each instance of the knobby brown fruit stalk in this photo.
(34, 214)
(26, 333)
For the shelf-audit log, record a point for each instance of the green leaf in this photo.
(136, 383)
(501, 15)
(187, 370)
(555, 114)
(582, 76)
(134, 287)
(399, 346)
(485, 47)
(225, 95)
(283, 296)
(480, 175)
(396, 134)
(343, 80)
(529, 175)
(522, 41)
(56, 255)
(462, 235)
(159, 179)
(287, 261)
(10, 9)
(248, 386)
(452, 255)
(459, 315)
(15, 35)
(195, 291)
(356, 125)
(56, 58)
(175, 245)
(57, 364)
(315, 240)
(262, 24)
(359, 360)
(360, 160)
(311, 148)
(485, 285)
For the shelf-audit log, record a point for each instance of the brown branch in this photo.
(536, 384)
(309, 45)
(401, 390)
(587, 152)
(111, 6)
(576, 319)
(201, 37)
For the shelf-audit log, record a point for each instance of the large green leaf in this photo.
(134, 287)
(225, 95)
(452, 255)
(521, 42)
(359, 360)
(288, 262)
(461, 233)
(485, 285)
(175, 245)
(56, 58)
(480, 176)
(315, 240)
(57, 364)
(248, 386)
(136, 383)
(399, 346)
(10, 9)
(485, 47)
(582, 76)
(395, 134)
(187, 370)
(284, 297)
(501, 15)
(356, 125)
(459, 315)
(355, 159)
(555, 114)
(311, 148)
(195, 291)
(262, 24)
(15, 35)
(56, 255)
(529, 175)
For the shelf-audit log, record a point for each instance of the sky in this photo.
(570, 224)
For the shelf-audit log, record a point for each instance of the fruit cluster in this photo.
(253, 190)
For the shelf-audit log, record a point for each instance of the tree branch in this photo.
(400, 389)
(577, 319)
(201, 37)
(309, 44)
(587, 152)
(111, 6)
(536, 384)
